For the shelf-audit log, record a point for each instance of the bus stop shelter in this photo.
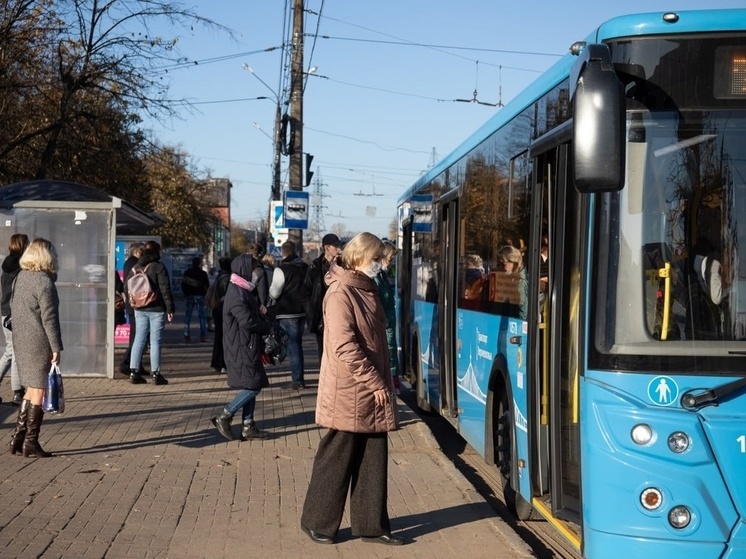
(83, 223)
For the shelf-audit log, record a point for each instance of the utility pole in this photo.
(276, 169)
(296, 114)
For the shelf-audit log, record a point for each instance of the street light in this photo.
(277, 139)
(265, 84)
(262, 130)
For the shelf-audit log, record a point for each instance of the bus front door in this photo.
(447, 308)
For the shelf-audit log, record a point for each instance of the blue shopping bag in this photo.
(54, 395)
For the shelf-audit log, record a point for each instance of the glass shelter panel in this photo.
(82, 240)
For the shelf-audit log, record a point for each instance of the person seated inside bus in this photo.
(699, 294)
(473, 282)
(508, 288)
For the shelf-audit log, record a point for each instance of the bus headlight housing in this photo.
(679, 517)
(651, 498)
(679, 442)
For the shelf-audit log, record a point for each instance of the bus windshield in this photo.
(669, 282)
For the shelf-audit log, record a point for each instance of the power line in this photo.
(379, 146)
(451, 47)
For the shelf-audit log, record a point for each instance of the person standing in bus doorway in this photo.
(287, 292)
(11, 266)
(386, 292)
(194, 284)
(355, 403)
(314, 287)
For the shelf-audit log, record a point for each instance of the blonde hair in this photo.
(269, 260)
(40, 256)
(511, 254)
(362, 248)
(389, 250)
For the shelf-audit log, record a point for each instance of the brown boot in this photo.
(31, 447)
(16, 442)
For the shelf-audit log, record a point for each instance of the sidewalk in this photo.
(141, 472)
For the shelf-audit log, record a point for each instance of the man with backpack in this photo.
(149, 293)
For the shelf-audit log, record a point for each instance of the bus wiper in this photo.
(710, 397)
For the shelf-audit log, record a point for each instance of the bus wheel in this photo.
(505, 451)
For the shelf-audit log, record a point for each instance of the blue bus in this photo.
(572, 290)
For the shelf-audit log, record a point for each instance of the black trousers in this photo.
(320, 343)
(125, 366)
(357, 462)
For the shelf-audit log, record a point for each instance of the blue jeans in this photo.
(199, 301)
(148, 324)
(294, 329)
(245, 399)
(8, 362)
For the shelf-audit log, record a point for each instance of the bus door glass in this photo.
(404, 286)
(566, 237)
(447, 308)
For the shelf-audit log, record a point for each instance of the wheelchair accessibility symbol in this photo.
(663, 391)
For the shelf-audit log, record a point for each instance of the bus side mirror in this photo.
(598, 122)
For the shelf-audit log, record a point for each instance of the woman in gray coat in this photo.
(37, 341)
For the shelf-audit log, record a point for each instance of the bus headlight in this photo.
(651, 498)
(678, 442)
(642, 434)
(679, 517)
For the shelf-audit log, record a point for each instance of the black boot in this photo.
(223, 424)
(31, 446)
(158, 378)
(136, 377)
(251, 431)
(18, 395)
(16, 442)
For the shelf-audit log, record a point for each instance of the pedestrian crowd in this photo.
(344, 296)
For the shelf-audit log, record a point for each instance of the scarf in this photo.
(242, 283)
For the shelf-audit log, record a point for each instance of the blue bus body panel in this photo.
(695, 21)
(425, 317)
(480, 338)
(618, 468)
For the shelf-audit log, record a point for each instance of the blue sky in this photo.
(381, 106)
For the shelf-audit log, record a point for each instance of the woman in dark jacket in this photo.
(11, 267)
(37, 342)
(243, 327)
(221, 286)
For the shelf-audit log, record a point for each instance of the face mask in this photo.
(374, 270)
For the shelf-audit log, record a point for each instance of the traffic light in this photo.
(309, 173)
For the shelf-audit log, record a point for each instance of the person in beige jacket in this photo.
(356, 402)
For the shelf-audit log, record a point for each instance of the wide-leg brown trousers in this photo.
(357, 462)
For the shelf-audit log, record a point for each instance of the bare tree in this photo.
(103, 49)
